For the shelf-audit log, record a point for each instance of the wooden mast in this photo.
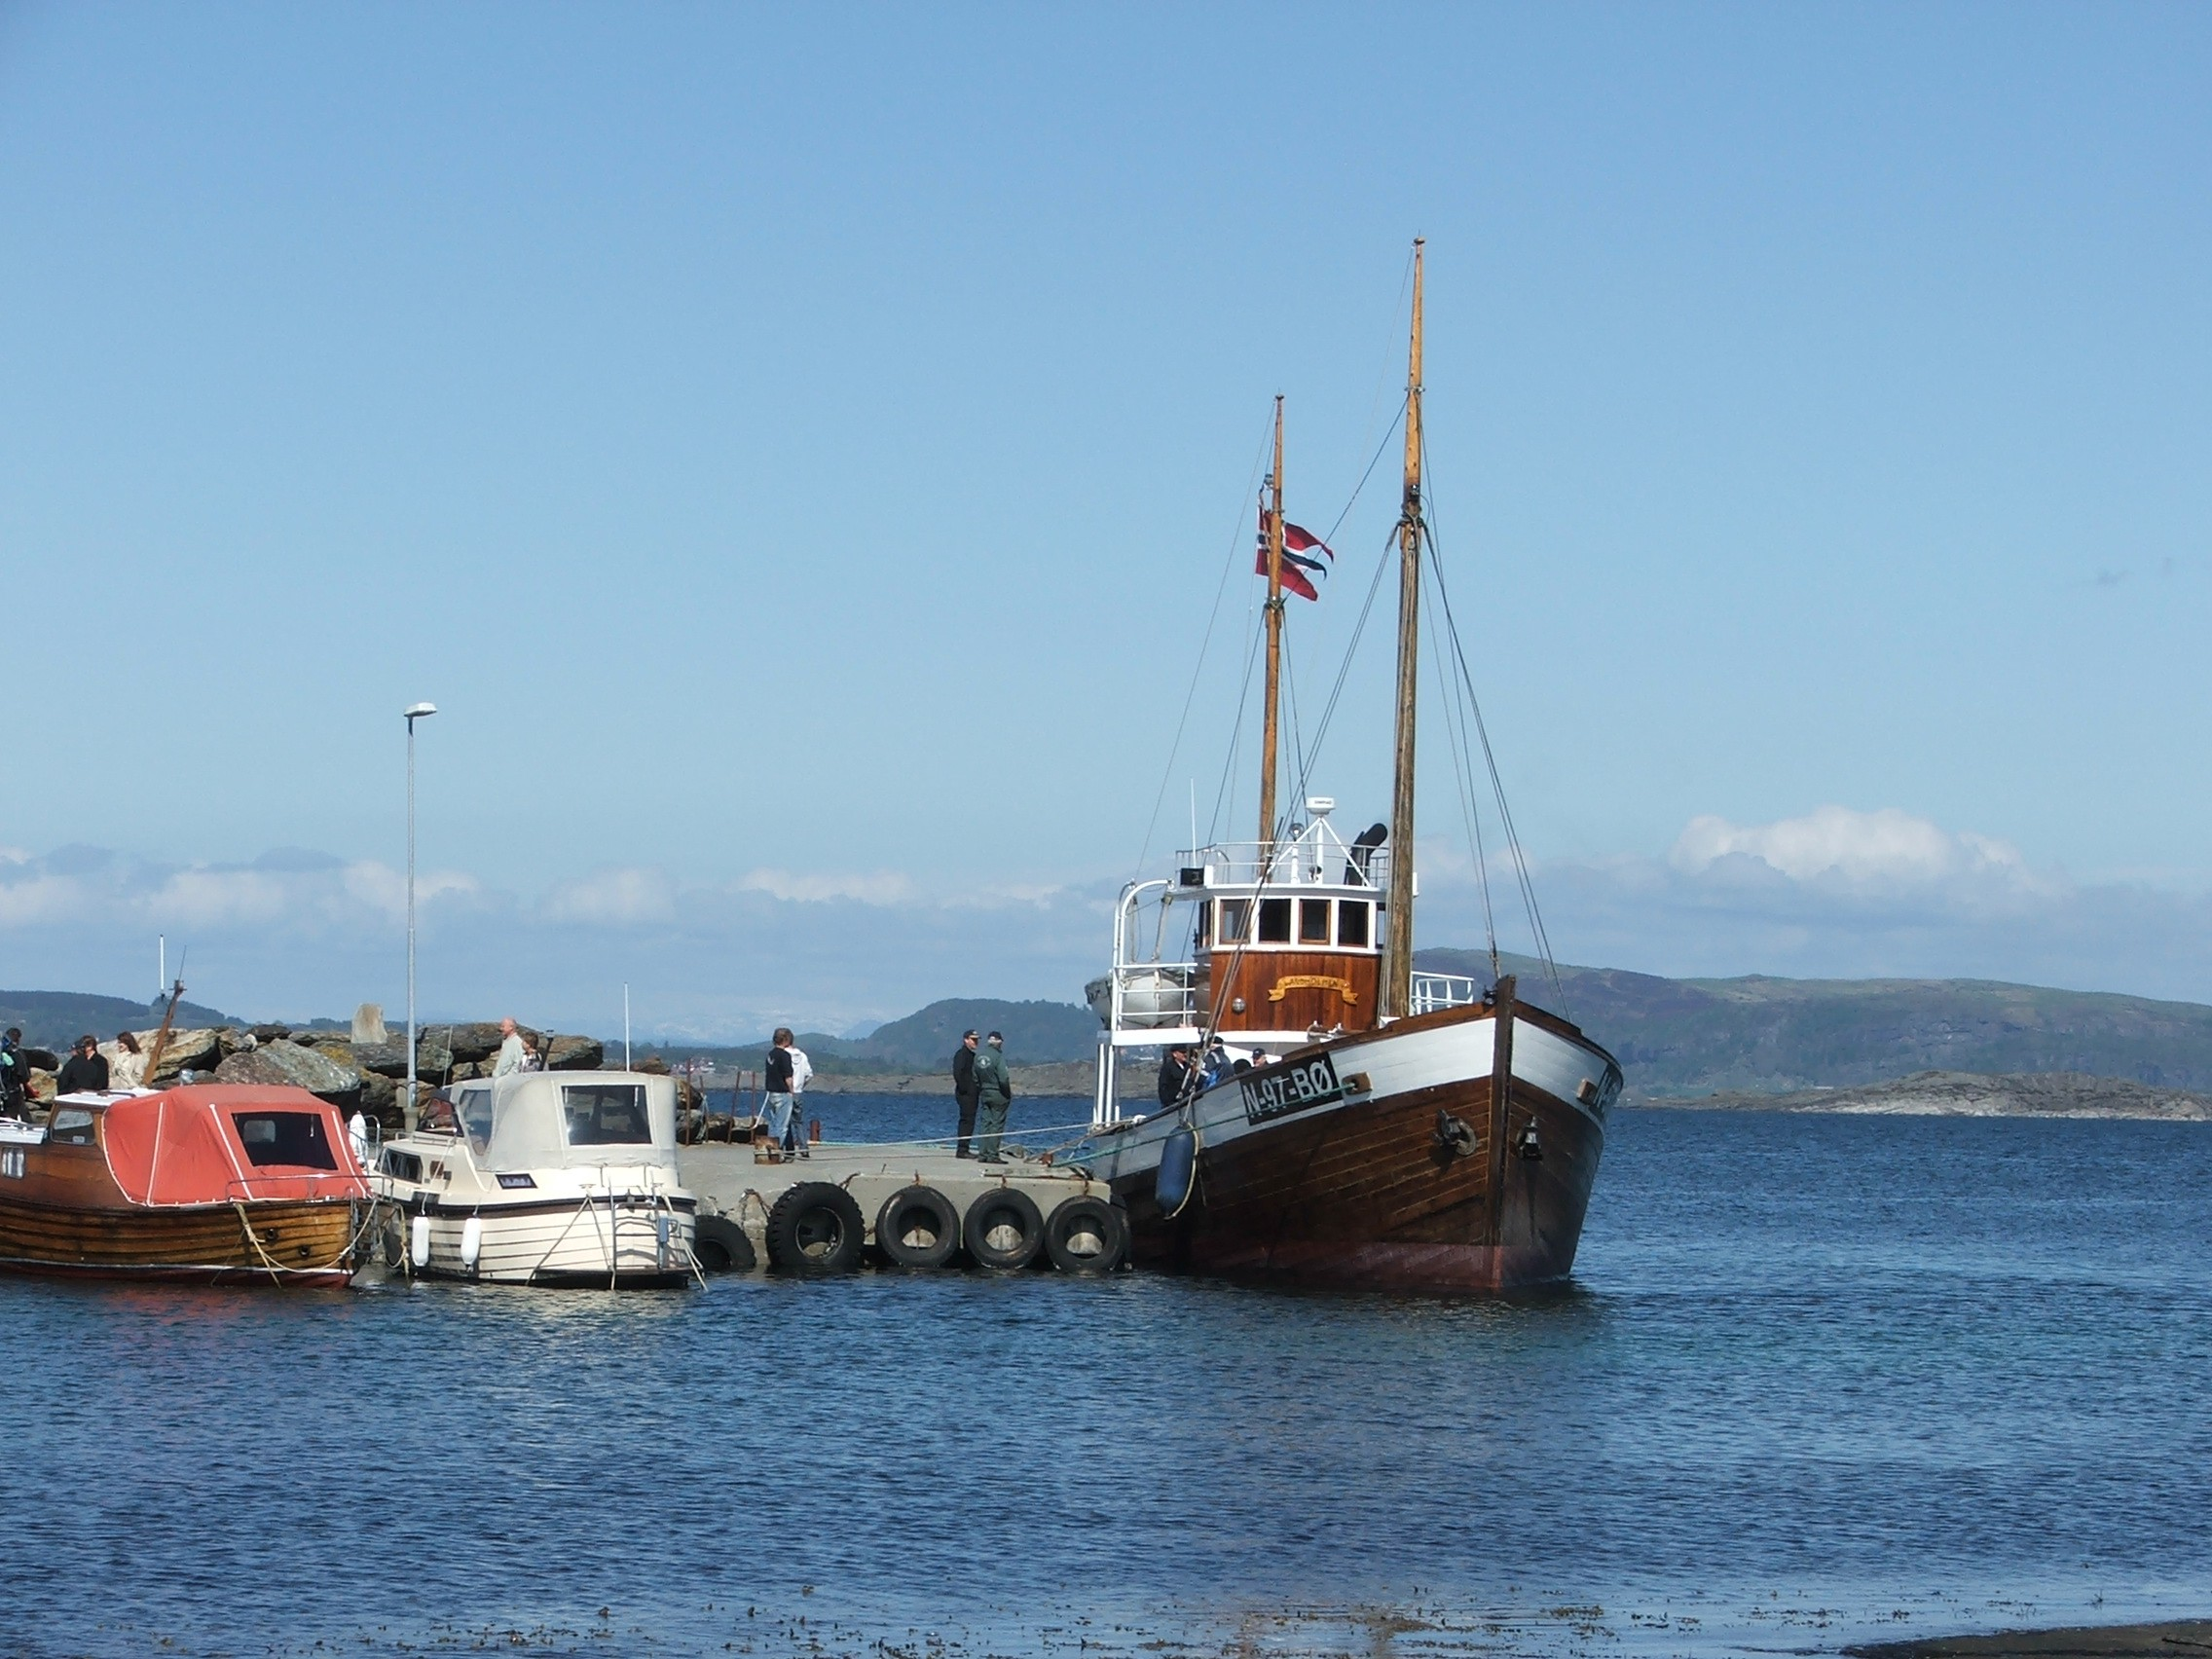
(1268, 739)
(1396, 997)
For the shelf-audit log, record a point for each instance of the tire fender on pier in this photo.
(815, 1227)
(1087, 1235)
(1004, 1228)
(721, 1247)
(917, 1226)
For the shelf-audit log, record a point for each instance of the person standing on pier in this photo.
(514, 1055)
(85, 1071)
(964, 1088)
(15, 1072)
(994, 1093)
(802, 1073)
(777, 1101)
(128, 1070)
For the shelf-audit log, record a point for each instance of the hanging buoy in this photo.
(419, 1241)
(660, 1242)
(1178, 1162)
(471, 1242)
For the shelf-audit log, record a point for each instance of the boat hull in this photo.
(307, 1243)
(584, 1243)
(1425, 1179)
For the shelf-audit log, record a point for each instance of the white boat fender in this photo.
(419, 1241)
(660, 1240)
(471, 1242)
(1178, 1164)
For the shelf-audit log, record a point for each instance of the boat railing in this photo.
(1301, 862)
(1433, 991)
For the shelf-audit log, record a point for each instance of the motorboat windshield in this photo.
(569, 1119)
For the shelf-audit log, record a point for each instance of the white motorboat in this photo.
(542, 1178)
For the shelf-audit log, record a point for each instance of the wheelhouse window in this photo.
(1275, 921)
(607, 1114)
(1352, 921)
(297, 1140)
(72, 1126)
(1235, 921)
(1313, 921)
(1201, 936)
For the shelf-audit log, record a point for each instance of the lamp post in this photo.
(415, 712)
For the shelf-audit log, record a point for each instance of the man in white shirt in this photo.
(803, 1068)
(513, 1056)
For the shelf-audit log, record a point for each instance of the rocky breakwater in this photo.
(327, 1063)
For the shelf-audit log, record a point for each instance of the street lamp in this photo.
(415, 712)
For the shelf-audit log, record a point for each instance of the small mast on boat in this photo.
(1268, 741)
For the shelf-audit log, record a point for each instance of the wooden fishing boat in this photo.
(1351, 1122)
(208, 1182)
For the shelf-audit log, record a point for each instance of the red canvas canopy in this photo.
(212, 1143)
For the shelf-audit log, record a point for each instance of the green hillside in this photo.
(1754, 1034)
(1037, 1033)
(54, 1020)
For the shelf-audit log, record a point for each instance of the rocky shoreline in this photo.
(370, 1076)
(1970, 1095)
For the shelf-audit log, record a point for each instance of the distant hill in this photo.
(1762, 1036)
(54, 1020)
(1037, 1033)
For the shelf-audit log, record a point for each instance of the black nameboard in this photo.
(1282, 1090)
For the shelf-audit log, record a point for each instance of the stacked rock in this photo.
(328, 1064)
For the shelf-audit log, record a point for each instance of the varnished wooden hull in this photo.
(1425, 1182)
(293, 1242)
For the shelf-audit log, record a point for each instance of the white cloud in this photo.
(1887, 848)
(617, 897)
(878, 886)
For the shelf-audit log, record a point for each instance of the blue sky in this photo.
(799, 451)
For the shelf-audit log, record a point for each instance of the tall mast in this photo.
(1268, 741)
(1398, 936)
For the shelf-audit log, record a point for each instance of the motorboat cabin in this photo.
(542, 1178)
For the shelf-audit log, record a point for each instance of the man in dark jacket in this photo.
(1174, 1073)
(85, 1071)
(994, 1093)
(14, 1072)
(964, 1088)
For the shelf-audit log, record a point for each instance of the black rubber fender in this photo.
(815, 1227)
(1004, 1228)
(721, 1247)
(917, 1226)
(1087, 1235)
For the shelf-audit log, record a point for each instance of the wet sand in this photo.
(2174, 1638)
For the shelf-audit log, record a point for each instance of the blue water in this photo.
(1817, 1378)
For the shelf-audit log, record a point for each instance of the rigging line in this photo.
(1167, 773)
(1463, 776)
(1235, 739)
(1513, 845)
(1361, 486)
(1497, 787)
(1351, 649)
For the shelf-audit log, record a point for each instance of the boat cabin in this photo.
(1284, 942)
(199, 1144)
(547, 1121)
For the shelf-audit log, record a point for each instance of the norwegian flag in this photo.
(1299, 566)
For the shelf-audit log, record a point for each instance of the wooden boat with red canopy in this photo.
(208, 1182)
